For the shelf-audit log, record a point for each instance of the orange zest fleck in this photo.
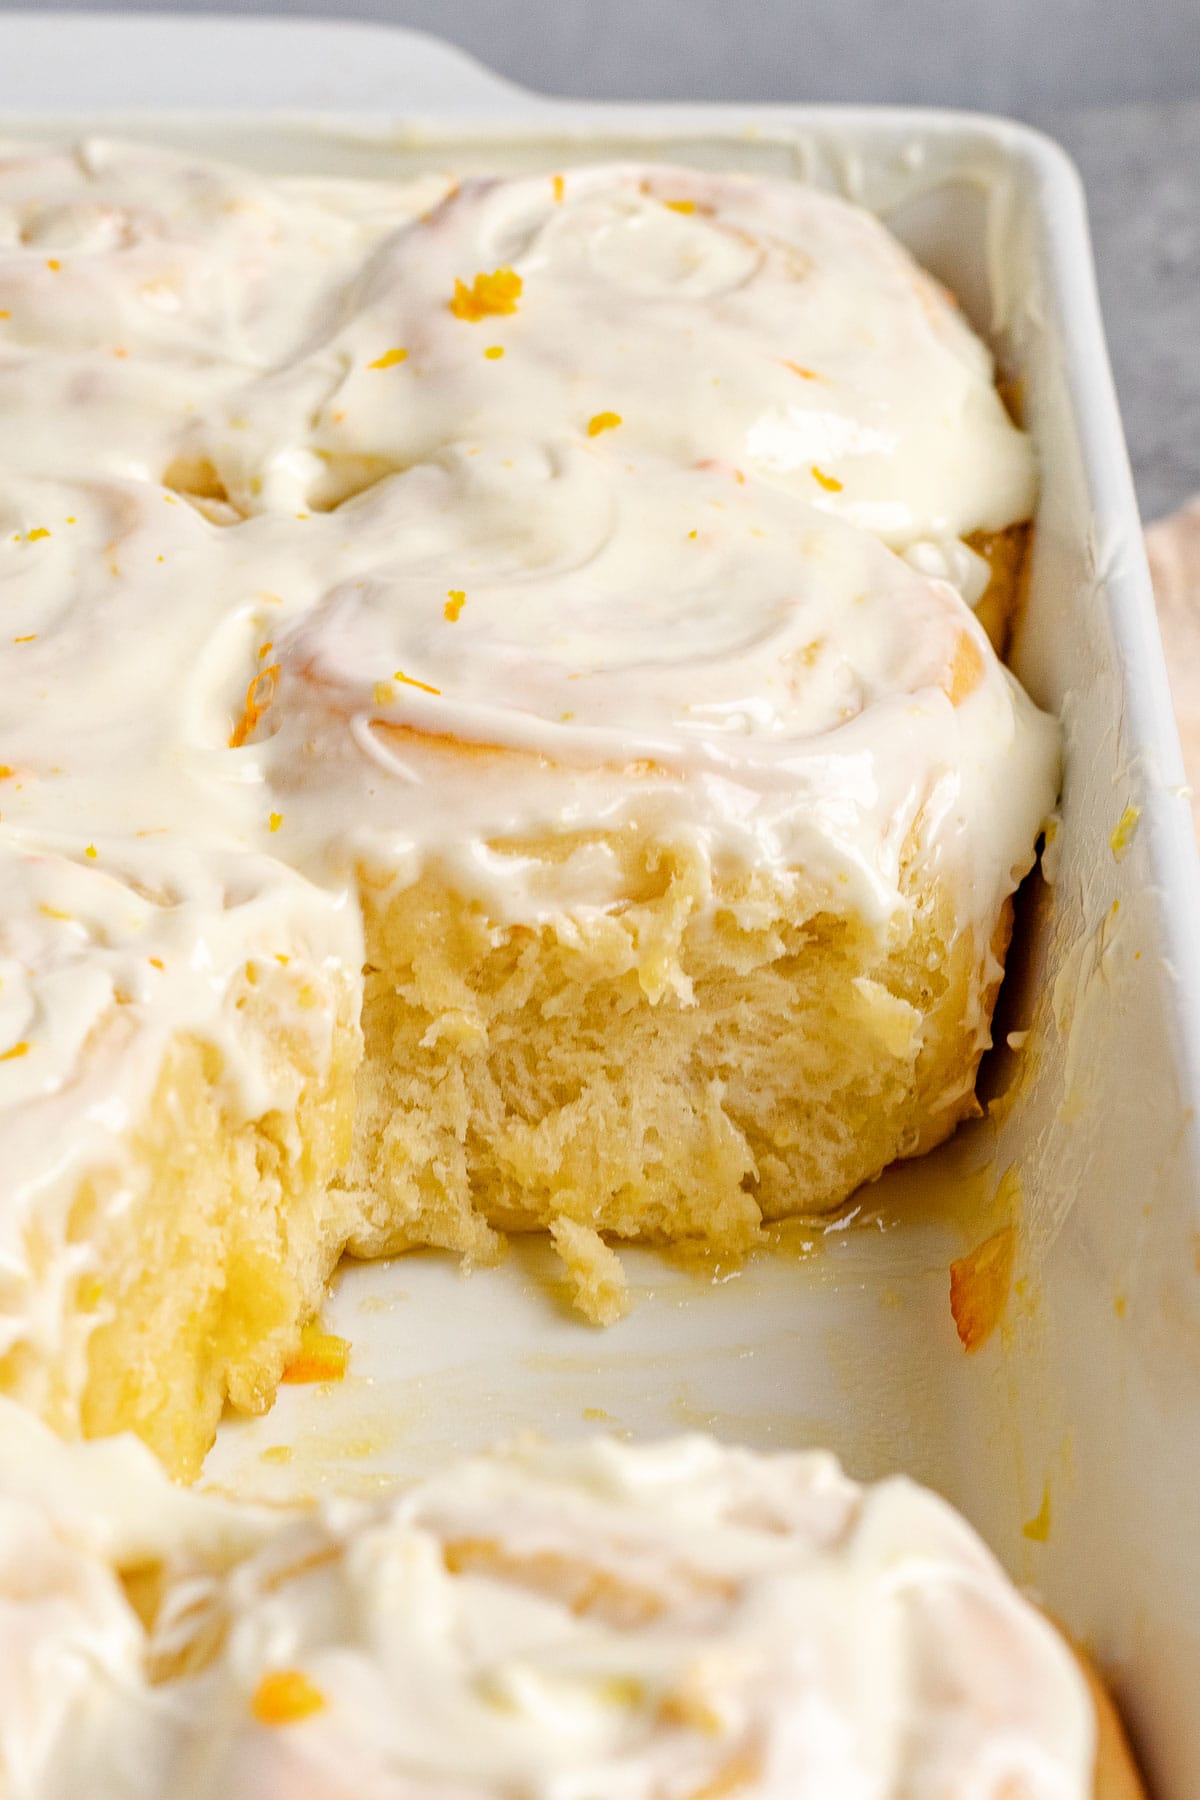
(21, 1049)
(979, 1285)
(966, 667)
(455, 601)
(1037, 1529)
(411, 681)
(265, 649)
(39, 531)
(800, 370)
(156, 962)
(259, 696)
(5, 771)
(830, 483)
(5, 313)
(91, 851)
(389, 359)
(275, 821)
(557, 187)
(494, 352)
(680, 206)
(321, 1357)
(27, 639)
(603, 421)
(285, 1696)
(53, 264)
(488, 296)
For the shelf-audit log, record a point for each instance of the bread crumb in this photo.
(598, 1286)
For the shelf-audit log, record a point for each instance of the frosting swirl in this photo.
(470, 530)
(595, 1618)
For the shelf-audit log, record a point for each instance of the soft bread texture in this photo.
(227, 1256)
(196, 1290)
(662, 1072)
(680, 1065)
(494, 738)
(651, 1075)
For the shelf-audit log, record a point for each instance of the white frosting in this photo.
(654, 1620)
(769, 326)
(689, 623)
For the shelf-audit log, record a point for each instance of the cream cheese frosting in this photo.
(398, 525)
(680, 1619)
(758, 323)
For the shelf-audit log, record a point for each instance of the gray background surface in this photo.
(1117, 81)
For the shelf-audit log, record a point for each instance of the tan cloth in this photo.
(1173, 546)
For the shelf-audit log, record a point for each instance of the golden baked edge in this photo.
(1117, 1776)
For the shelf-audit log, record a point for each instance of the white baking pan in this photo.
(1072, 1438)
